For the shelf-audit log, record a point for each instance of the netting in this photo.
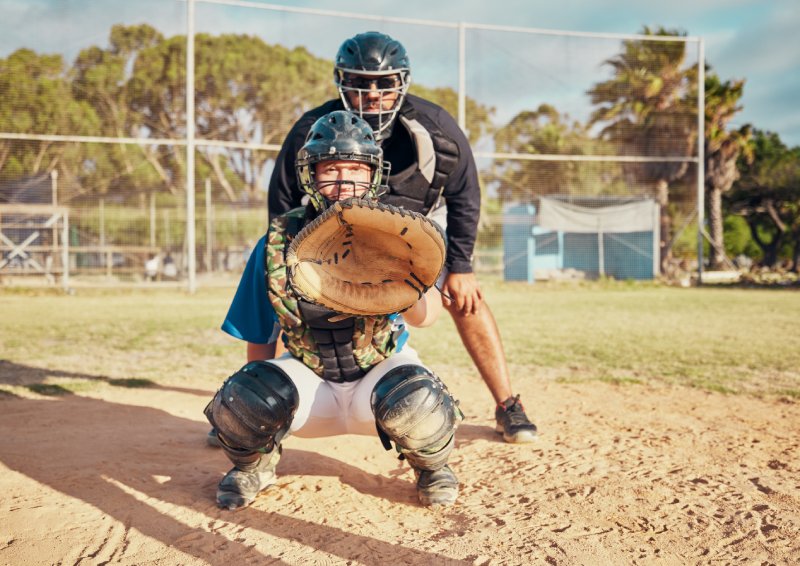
(96, 129)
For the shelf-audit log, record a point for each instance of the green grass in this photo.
(725, 340)
(718, 339)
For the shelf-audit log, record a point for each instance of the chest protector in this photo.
(420, 185)
(336, 347)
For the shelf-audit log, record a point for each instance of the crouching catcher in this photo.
(342, 373)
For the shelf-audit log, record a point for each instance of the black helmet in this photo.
(375, 58)
(340, 136)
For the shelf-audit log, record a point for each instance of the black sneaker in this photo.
(513, 423)
(239, 488)
(437, 488)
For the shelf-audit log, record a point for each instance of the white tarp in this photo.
(641, 216)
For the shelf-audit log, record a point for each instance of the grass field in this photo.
(729, 340)
(653, 445)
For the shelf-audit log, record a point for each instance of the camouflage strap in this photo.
(372, 339)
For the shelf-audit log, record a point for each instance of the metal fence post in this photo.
(190, 209)
(701, 154)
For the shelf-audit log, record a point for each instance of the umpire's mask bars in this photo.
(372, 73)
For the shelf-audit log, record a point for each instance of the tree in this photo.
(768, 196)
(649, 109)
(246, 91)
(251, 92)
(479, 117)
(156, 93)
(99, 77)
(37, 100)
(723, 148)
(543, 131)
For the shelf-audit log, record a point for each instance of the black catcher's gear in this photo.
(340, 136)
(253, 409)
(414, 409)
(420, 185)
(372, 59)
(334, 340)
(241, 484)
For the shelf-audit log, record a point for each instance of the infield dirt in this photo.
(621, 474)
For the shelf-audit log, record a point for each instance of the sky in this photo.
(755, 40)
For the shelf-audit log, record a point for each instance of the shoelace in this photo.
(516, 413)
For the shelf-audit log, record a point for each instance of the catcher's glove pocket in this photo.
(365, 258)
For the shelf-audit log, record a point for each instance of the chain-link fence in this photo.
(588, 145)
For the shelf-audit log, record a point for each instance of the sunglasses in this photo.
(366, 83)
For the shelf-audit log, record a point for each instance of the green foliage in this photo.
(685, 244)
(738, 240)
(479, 117)
(31, 84)
(722, 150)
(768, 196)
(246, 91)
(546, 131)
(648, 106)
(127, 225)
(490, 229)
(249, 91)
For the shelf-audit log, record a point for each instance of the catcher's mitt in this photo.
(365, 258)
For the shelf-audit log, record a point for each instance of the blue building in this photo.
(596, 236)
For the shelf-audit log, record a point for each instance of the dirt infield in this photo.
(627, 474)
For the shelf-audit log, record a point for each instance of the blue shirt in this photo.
(251, 316)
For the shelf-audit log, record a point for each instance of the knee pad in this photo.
(254, 407)
(415, 410)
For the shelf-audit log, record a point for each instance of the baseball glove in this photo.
(361, 257)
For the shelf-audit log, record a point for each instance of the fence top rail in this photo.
(115, 249)
(329, 13)
(177, 142)
(441, 24)
(601, 35)
(89, 249)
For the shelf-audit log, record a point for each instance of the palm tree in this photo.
(543, 131)
(722, 150)
(649, 109)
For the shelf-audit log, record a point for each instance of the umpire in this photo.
(434, 173)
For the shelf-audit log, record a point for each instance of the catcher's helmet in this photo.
(340, 136)
(372, 58)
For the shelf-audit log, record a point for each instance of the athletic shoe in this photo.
(239, 488)
(512, 422)
(212, 439)
(437, 488)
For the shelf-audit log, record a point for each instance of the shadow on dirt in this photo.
(153, 473)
